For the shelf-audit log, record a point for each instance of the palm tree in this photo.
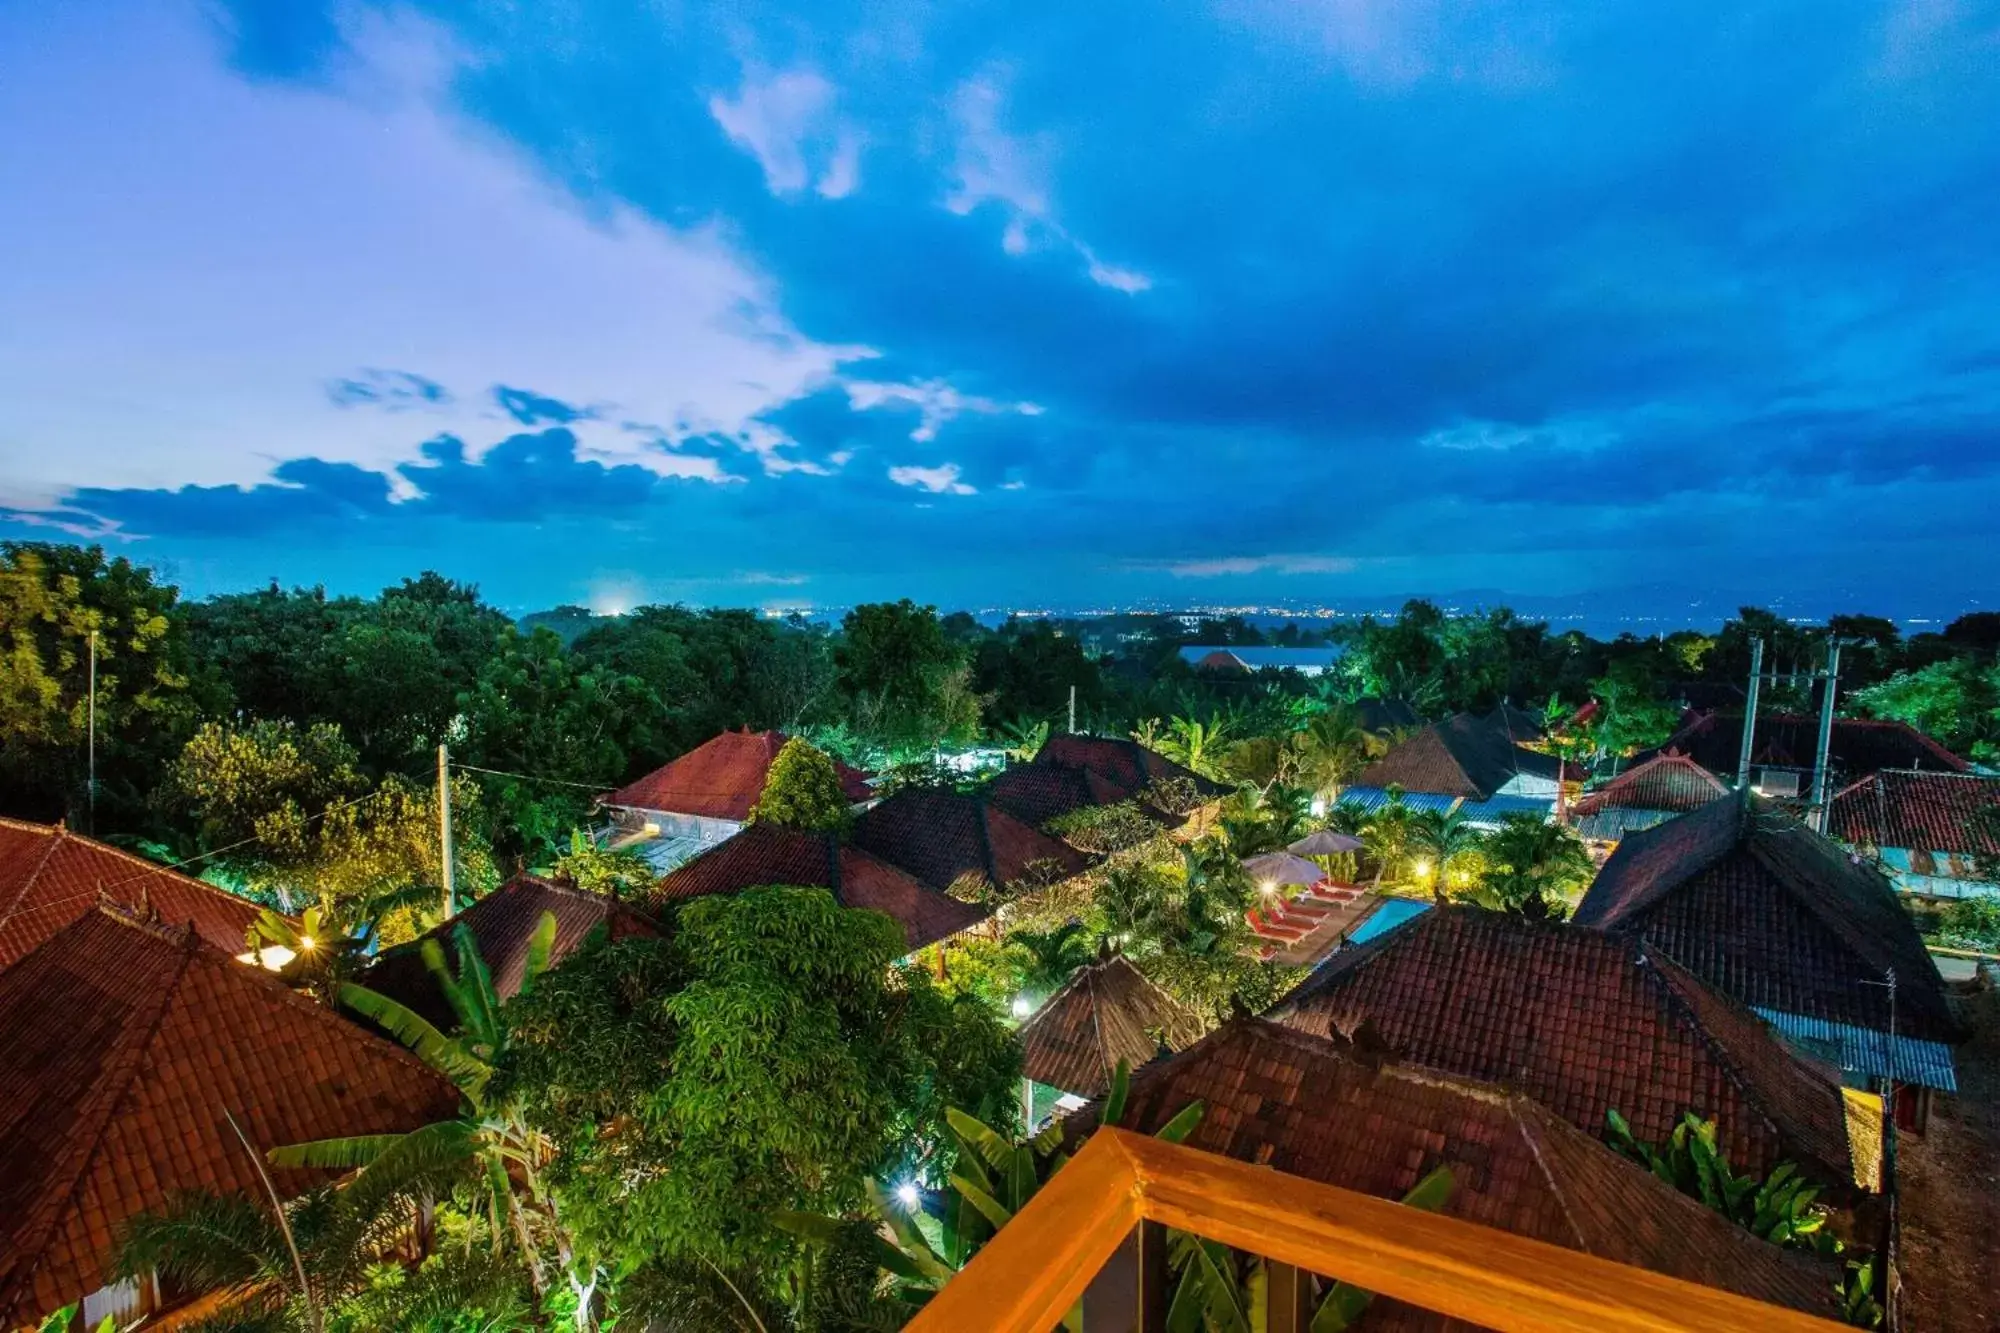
(1195, 744)
(1053, 955)
(490, 1142)
(1332, 747)
(1022, 739)
(1447, 844)
(1535, 867)
(1387, 835)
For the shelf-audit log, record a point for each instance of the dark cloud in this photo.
(534, 409)
(389, 390)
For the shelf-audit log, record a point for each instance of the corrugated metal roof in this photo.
(1373, 798)
(1866, 1051)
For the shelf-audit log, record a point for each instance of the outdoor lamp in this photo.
(906, 1194)
(1021, 1007)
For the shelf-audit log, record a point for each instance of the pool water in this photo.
(1393, 912)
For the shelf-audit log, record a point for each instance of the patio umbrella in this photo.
(1325, 843)
(1283, 868)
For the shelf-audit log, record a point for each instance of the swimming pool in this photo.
(1391, 913)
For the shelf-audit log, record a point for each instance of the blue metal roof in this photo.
(1371, 798)
(1866, 1051)
(1490, 811)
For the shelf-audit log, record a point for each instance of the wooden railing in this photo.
(1035, 1269)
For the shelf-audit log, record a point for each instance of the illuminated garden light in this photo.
(906, 1194)
(1021, 1006)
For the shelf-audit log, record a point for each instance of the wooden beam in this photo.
(1489, 1277)
(1035, 1268)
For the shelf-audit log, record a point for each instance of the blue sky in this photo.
(1279, 300)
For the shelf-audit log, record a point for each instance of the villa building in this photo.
(1933, 833)
(50, 877)
(703, 797)
(1809, 936)
(1587, 1023)
(1781, 759)
(1106, 1013)
(1244, 660)
(1664, 787)
(768, 854)
(961, 844)
(1465, 763)
(126, 1046)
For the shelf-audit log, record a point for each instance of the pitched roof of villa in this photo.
(1105, 1013)
(122, 1045)
(1932, 811)
(1585, 1023)
(1463, 756)
(50, 877)
(1126, 762)
(1518, 723)
(1667, 781)
(941, 836)
(502, 923)
(768, 854)
(1036, 793)
(1385, 714)
(1858, 746)
(1329, 1111)
(1767, 910)
(720, 779)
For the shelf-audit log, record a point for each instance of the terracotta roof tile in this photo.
(1859, 746)
(1583, 1022)
(939, 836)
(1105, 1013)
(1463, 756)
(1319, 1108)
(767, 854)
(1667, 781)
(1931, 811)
(1764, 909)
(50, 877)
(720, 779)
(1125, 762)
(1038, 792)
(121, 1045)
(502, 922)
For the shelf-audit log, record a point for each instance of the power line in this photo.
(531, 777)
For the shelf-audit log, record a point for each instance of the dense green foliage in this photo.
(802, 790)
(767, 1055)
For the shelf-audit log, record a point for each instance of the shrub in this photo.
(802, 791)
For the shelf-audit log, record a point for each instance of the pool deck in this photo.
(1325, 937)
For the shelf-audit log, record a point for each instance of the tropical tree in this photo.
(1449, 851)
(1053, 955)
(1332, 747)
(769, 1053)
(802, 790)
(490, 1145)
(1022, 739)
(1387, 836)
(1533, 868)
(1196, 744)
(620, 873)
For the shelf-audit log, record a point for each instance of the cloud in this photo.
(389, 390)
(939, 480)
(788, 123)
(534, 409)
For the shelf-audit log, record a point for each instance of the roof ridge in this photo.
(1724, 1053)
(55, 841)
(1534, 1142)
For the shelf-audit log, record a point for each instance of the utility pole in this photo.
(91, 741)
(444, 823)
(1832, 680)
(1072, 710)
(1750, 713)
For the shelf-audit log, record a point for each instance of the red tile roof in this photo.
(1325, 1110)
(1929, 811)
(1667, 781)
(1763, 908)
(121, 1046)
(1105, 1013)
(1125, 762)
(720, 779)
(49, 877)
(502, 922)
(767, 854)
(1038, 792)
(1583, 1022)
(1463, 756)
(940, 836)
(1859, 746)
